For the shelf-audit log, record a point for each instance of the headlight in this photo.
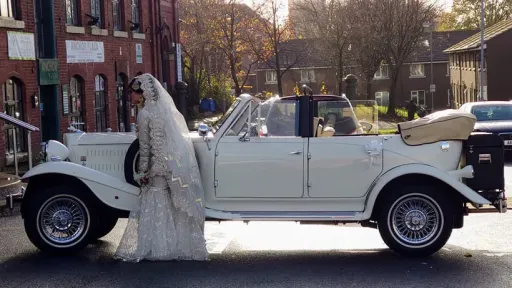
(56, 151)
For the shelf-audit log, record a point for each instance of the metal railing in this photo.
(26, 127)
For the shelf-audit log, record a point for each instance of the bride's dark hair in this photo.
(135, 85)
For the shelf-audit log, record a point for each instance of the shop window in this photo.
(99, 103)
(97, 11)
(13, 105)
(76, 89)
(8, 9)
(117, 15)
(136, 14)
(71, 12)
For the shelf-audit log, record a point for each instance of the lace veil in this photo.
(178, 147)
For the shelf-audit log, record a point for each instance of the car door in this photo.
(342, 166)
(270, 166)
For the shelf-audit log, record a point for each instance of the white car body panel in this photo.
(266, 178)
(110, 190)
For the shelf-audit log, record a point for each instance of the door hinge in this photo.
(309, 184)
(216, 183)
(216, 152)
(309, 155)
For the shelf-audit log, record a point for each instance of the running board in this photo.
(283, 216)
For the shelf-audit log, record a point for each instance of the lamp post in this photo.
(482, 61)
(428, 27)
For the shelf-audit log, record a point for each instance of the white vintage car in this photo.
(304, 159)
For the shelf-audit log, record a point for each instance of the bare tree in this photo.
(402, 29)
(275, 31)
(330, 23)
(197, 42)
(236, 32)
(366, 45)
(465, 14)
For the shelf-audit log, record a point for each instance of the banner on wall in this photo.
(20, 46)
(85, 51)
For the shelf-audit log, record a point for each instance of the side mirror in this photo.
(203, 129)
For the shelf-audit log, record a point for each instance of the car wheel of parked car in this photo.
(416, 221)
(58, 219)
(104, 226)
(131, 162)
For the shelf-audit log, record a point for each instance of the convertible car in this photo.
(309, 159)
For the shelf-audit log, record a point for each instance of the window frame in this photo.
(12, 9)
(100, 103)
(310, 75)
(382, 94)
(97, 11)
(118, 15)
(73, 19)
(273, 78)
(77, 95)
(421, 70)
(135, 14)
(417, 96)
(18, 98)
(379, 74)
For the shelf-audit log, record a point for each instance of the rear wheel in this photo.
(416, 221)
(58, 219)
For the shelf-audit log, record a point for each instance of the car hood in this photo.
(494, 126)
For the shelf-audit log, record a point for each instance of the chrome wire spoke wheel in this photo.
(63, 220)
(415, 220)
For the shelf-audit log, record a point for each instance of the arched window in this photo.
(13, 102)
(99, 103)
(76, 110)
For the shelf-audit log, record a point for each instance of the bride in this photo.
(169, 224)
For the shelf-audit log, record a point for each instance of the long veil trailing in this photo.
(179, 151)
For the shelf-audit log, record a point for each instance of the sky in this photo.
(446, 4)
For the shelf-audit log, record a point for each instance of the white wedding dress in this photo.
(169, 224)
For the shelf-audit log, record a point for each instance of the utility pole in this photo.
(47, 48)
(482, 61)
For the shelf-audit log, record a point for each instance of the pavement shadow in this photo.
(95, 267)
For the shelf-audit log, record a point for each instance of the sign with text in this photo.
(138, 53)
(49, 72)
(85, 52)
(432, 88)
(21, 46)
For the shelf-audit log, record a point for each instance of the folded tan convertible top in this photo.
(447, 124)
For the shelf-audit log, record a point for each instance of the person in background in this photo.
(412, 107)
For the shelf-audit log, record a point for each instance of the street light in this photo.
(428, 27)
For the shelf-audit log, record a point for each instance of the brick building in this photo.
(310, 65)
(465, 65)
(101, 45)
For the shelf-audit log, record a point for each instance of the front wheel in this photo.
(416, 221)
(58, 219)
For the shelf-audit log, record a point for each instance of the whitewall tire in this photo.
(416, 221)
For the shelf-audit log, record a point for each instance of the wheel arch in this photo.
(47, 180)
(418, 174)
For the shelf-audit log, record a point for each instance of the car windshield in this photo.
(492, 112)
(224, 117)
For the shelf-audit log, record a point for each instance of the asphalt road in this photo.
(274, 255)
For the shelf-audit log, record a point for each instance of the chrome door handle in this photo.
(295, 153)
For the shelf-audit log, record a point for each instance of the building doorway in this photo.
(122, 102)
